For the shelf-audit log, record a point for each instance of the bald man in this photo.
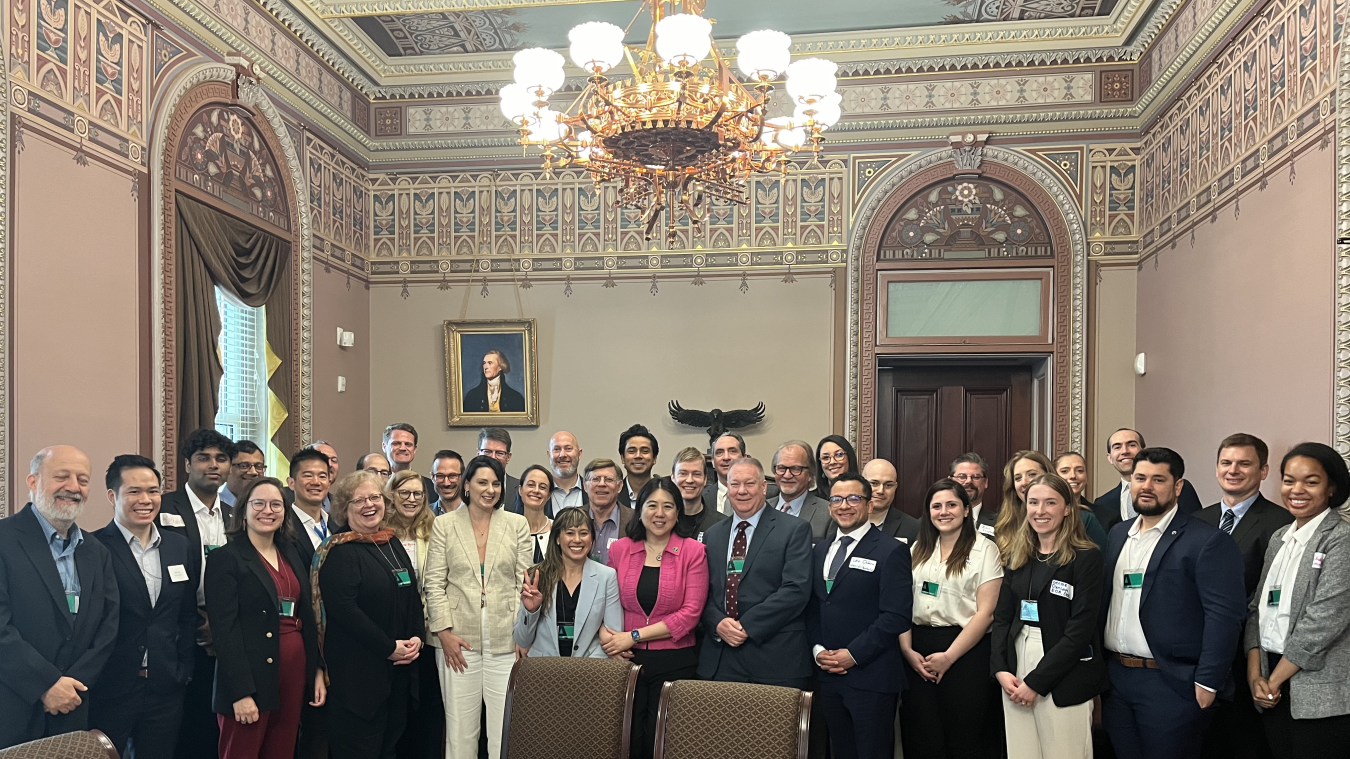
(58, 604)
(881, 475)
(564, 458)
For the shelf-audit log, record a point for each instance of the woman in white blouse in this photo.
(957, 577)
(1298, 631)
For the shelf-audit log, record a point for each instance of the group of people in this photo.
(378, 614)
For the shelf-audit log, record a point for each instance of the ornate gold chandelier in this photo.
(681, 128)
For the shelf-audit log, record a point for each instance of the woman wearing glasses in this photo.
(411, 519)
(836, 456)
(371, 622)
(475, 566)
(262, 626)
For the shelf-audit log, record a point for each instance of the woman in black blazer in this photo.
(1047, 653)
(263, 630)
(368, 589)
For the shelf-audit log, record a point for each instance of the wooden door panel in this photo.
(917, 421)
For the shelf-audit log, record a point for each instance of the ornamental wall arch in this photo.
(237, 88)
(887, 195)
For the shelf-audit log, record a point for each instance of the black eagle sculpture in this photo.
(717, 422)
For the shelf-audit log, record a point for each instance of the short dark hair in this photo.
(638, 430)
(1332, 464)
(1137, 434)
(478, 462)
(1162, 456)
(739, 441)
(248, 447)
(494, 433)
(200, 440)
(238, 522)
(113, 479)
(404, 426)
(446, 453)
(853, 477)
(307, 454)
(637, 531)
(1243, 440)
(969, 458)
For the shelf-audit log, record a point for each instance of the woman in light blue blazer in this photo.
(567, 598)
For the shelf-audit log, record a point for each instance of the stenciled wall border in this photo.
(6, 418)
(1340, 414)
(879, 201)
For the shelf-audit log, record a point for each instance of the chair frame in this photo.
(803, 722)
(107, 744)
(630, 694)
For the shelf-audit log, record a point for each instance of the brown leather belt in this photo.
(1134, 662)
(143, 673)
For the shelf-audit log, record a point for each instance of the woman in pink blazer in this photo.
(663, 582)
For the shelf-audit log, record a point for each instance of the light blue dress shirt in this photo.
(63, 552)
(1239, 509)
(749, 531)
(794, 507)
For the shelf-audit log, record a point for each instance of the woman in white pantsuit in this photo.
(475, 564)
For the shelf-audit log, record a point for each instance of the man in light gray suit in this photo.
(794, 467)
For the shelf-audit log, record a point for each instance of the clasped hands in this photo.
(64, 696)
(405, 651)
(731, 632)
(1264, 693)
(1018, 691)
(931, 667)
(836, 662)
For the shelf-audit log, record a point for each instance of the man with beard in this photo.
(690, 478)
(247, 465)
(1116, 505)
(448, 469)
(196, 512)
(563, 454)
(58, 604)
(1175, 604)
(795, 471)
(970, 470)
(638, 451)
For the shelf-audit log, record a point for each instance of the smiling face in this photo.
(575, 543)
(792, 471)
(483, 488)
(602, 485)
(833, 460)
(400, 449)
(266, 510)
(365, 510)
(446, 473)
(690, 479)
(1046, 509)
(973, 479)
(1024, 471)
(725, 450)
(881, 475)
(638, 456)
(534, 489)
(1074, 471)
(61, 487)
(659, 514)
(946, 512)
(1305, 488)
(1121, 448)
(746, 490)
(137, 500)
(310, 482)
(245, 468)
(849, 505)
(1240, 472)
(563, 454)
(409, 497)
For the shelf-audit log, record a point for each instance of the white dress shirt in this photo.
(211, 526)
(857, 535)
(1283, 572)
(147, 558)
(1124, 633)
(975, 512)
(315, 530)
(723, 505)
(1127, 511)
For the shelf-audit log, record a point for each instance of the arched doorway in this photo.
(967, 305)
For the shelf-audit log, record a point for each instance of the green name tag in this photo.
(1273, 597)
(287, 607)
(402, 577)
(568, 631)
(1132, 581)
(209, 549)
(929, 589)
(73, 603)
(829, 585)
(736, 565)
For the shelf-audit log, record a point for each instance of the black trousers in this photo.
(354, 736)
(199, 735)
(1234, 734)
(862, 723)
(1289, 738)
(140, 723)
(658, 668)
(1147, 719)
(949, 720)
(313, 740)
(424, 737)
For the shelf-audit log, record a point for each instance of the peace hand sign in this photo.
(530, 597)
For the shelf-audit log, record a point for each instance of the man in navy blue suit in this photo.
(1117, 504)
(139, 697)
(1174, 605)
(861, 601)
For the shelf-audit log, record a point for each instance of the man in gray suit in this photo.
(759, 577)
(794, 467)
(970, 470)
(496, 442)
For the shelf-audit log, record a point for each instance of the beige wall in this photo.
(75, 313)
(611, 357)
(1238, 330)
(342, 419)
(1111, 345)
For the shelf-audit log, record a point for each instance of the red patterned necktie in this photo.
(734, 567)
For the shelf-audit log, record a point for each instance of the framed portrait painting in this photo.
(491, 373)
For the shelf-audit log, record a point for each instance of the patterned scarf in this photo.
(320, 556)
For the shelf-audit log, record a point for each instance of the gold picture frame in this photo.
(476, 347)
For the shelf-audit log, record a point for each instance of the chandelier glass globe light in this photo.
(678, 127)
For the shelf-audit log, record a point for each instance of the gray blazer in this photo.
(815, 512)
(597, 604)
(1319, 622)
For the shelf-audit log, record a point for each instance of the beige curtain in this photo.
(253, 266)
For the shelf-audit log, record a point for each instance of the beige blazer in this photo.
(453, 590)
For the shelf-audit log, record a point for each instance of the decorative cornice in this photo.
(6, 420)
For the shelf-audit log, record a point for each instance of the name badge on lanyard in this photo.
(286, 606)
(1133, 579)
(736, 565)
(402, 577)
(1031, 611)
(566, 631)
(73, 602)
(1273, 597)
(929, 589)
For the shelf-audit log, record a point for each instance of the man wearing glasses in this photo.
(970, 470)
(496, 442)
(247, 465)
(795, 471)
(610, 519)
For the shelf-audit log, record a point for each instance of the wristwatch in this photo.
(637, 636)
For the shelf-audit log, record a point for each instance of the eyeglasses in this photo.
(372, 500)
(605, 480)
(795, 471)
(243, 466)
(836, 456)
(446, 477)
(852, 500)
(498, 455)
(260, 505)
(967, 477)
(409, 495)
(381, 472)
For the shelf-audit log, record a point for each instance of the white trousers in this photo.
(483, 682)
(1043, 730)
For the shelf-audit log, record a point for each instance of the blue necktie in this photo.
(1228, 521)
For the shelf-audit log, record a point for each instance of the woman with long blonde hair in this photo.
(1072, 466)
(1021, 469)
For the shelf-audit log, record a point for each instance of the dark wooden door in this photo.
(929, 415)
